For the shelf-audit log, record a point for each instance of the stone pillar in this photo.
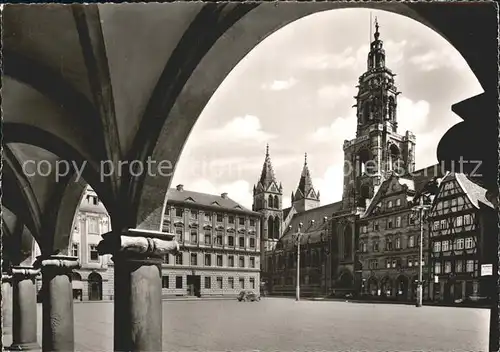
(137, 255)
(24, 332)
(7, 304)
(57, 302)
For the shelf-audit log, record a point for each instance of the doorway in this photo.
(194, 285)
(95, 287)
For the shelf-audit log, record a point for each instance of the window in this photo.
(166, 258)
(470, 266)
(398, 243)
(375, 226)
(218, 239)
(219, 260)
(447, 267)
(220, 218)
(208, 238)
(252, 282)
(437, 268)
(230, 282)
(77, 226)
(375, 246)
(208, 259)
(178, 233)
(435, 225)
(167, 211)
(388, 244)
(398, 202)
(398, 221)
(208, 216)
(469, 243)
(208, 282)
(443, 224)
(387, 263)
(178, 259)
(437, 246)
(164, 282)
(410, 262)
(467, 219)
(219, 282)
(93, 225)
(389, 223)
(252, 242)
(194, 236)
(193, 214)
(242, 262)
(230, 241)
(411, 241)
(231, 219)
(459, 244)
(252, 262)
(178, 212)
(75, 249)
(194, 259)
(445, 246)
(94, 255)
(364, 248)
(230, 261)
(242, 282)
(373, 264)
(364, 229)
(459, 266)
(459, 221)
(178, 282)
(252, 222)
(241, 221)
(394, 263)
(242, 241)
(389, 204)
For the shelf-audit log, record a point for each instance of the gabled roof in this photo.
(193, 199)
(474, 192)
(267, 175)
(311, 231)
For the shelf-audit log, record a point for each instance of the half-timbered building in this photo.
(460, 218)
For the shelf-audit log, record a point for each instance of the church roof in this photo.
(267, 174)
(204, 200)
(312, 231)
(305, 184)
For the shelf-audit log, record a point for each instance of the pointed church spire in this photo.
(305, 183)
(305, 196)
(267, 175)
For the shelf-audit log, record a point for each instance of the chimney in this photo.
(180, 188)
(224, 195)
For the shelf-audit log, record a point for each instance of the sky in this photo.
(295, 91)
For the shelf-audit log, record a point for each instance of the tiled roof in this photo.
(286, 211)
(311, 231)
(205, 200)
(475, 192)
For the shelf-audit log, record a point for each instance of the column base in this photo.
(24, 347)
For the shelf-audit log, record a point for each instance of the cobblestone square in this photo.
(279, 324)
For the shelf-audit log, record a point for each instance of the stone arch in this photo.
(394, 156)
(276, 202)
(95, 286)
(372, 286)
(402, 286)
(386, 286)
(365, 163)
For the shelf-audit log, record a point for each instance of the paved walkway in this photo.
(276, 324)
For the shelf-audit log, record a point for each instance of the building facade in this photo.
(460, 219)
(219, 245)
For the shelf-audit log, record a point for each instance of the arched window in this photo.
(365, 165)
(277, 230)
(392, 109)
(270, 201)
(95, 287)
(366, 112)
(394, 157)
(276, 202)
(270, 228)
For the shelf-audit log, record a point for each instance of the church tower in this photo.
(267, 199)
(378, 150)
(305, 196)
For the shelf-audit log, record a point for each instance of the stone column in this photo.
(57, 302)
(7, 304)
(24, 333)
(137, 255)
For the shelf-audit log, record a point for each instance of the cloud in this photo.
(280, 84)
(352, 59)
(239, 190)
(439, 58)
(238, 130)
(341, 129)
(330, 185)
(412, 116)
(328, 95)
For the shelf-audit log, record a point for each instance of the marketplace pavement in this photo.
(279, 324)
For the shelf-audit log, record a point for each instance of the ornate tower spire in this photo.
(305, 197)
(267, 174)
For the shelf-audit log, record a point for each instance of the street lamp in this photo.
(297, 292)
(420, 208)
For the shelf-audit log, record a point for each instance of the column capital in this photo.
(28, 272)
(61, 262)
(146, 243)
